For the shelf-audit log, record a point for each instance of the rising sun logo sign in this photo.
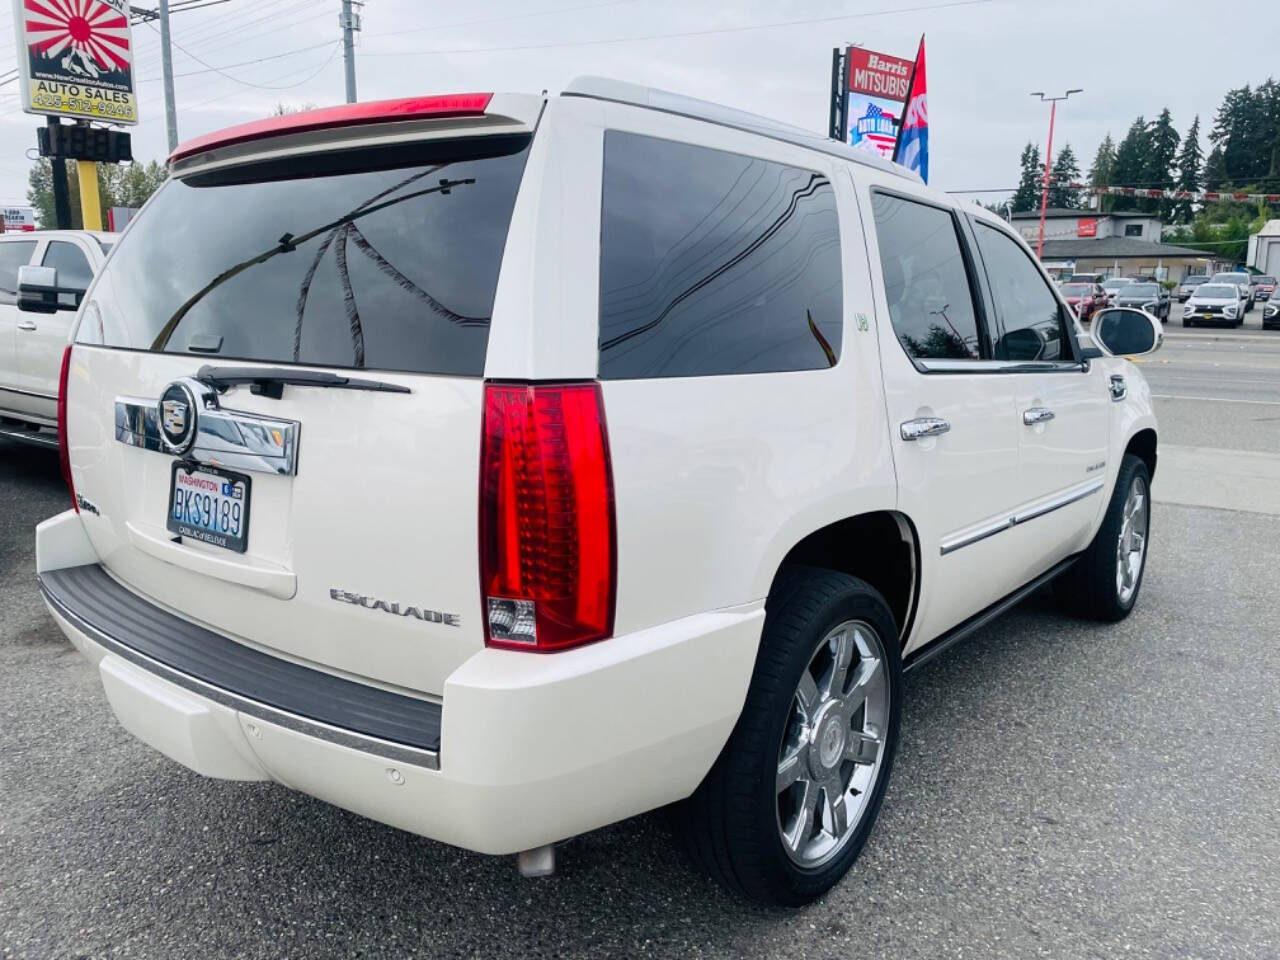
(79, 58)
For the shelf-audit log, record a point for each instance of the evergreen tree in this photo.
(1160, 160)
(1189, 162)
(1064, 173)
(1102, 173)
(1027, 196)
(1215, 170)
(1131, 159)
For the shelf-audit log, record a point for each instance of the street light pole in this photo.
(1048, 160)
(350, 22)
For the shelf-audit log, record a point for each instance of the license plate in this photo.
(209, 505)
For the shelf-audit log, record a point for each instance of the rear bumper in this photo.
(523, 750)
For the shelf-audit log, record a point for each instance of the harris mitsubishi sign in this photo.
(75, 59)
(877, 90)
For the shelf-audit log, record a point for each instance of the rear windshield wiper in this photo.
(271, 381)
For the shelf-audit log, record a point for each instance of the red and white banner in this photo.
(1196, 196)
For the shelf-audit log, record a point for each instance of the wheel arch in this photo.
(1143, 446)
(880, 547)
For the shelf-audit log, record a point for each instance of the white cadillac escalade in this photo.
(499, 467)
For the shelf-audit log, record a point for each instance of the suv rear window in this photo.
(714, 263)
(385, 259)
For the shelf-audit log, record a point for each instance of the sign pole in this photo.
(61, 194)
(90, 202)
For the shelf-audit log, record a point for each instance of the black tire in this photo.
(730, 823)
(1186, 323)
(1089, 588)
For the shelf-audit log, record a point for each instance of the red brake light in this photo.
(347, 115)
(64, 456)
(547, 535)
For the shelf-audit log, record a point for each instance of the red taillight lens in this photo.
(547, 540)
(64, 456)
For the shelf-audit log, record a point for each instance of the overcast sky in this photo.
(1131, 57)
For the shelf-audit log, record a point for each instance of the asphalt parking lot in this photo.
(1063, 789)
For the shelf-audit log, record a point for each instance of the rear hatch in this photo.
(275, 397)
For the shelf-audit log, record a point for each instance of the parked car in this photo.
(34, 333)
(1189, 284)
(1266, 286)
(716, 421)
(1113, 285)
(1084, 278)
(1216, 303)
(1243, 280)
(1271, 315)
(1084, 298)
(1151, 297)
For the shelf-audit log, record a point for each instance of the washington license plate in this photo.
(209, 506)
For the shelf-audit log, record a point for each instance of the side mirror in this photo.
(38, 289)
(1126, 332)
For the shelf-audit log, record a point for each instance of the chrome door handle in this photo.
(922, 427)
(1037, 415)
(26, 325)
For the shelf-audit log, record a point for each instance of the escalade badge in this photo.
(372, 603)
(177, 417)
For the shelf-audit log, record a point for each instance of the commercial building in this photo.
(1123, 243)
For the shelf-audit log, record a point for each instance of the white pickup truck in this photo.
(503, 466)
(33, 338)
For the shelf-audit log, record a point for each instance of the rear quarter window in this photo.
(385, 259)
(714, 263)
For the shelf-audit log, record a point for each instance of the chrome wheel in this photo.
(1131, 548)
(833, 744)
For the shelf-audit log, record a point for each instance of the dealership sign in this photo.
(75, 59)
(877, 89)
(17, 219)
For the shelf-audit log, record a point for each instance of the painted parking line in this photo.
(1179, 396)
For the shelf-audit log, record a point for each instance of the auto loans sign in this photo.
(75, 59)
(873, 104)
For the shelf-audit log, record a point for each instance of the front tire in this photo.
(793, 797)
(1104, 583)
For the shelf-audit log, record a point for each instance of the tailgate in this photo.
(328, 511)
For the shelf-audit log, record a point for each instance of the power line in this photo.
(506, 19)
(243, 63)
(683, 33)
(221, 72)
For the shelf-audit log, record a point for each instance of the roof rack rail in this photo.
(619, 91)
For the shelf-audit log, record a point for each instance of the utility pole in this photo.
(1048, 159)
(350, 23)
(166, 68)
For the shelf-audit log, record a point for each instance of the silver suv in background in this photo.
(1242, 280)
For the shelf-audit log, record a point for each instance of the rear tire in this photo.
(1186, 323)
(1104, 583)
(799, 727)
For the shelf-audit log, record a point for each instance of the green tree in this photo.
(1027, 196)
(1131, 158)
(1215, 170)
(1161, 157)
(119, 185)
(1190, 158)
(1065, 172)
(1102, 173)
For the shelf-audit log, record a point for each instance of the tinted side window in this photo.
(12, 256)
(1029, 313)
(73, 269)
(714, 263)
(925, 280)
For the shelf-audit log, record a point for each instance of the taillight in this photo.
(547, 538)
(64, 456)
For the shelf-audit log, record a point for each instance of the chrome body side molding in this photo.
(1086, 489)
